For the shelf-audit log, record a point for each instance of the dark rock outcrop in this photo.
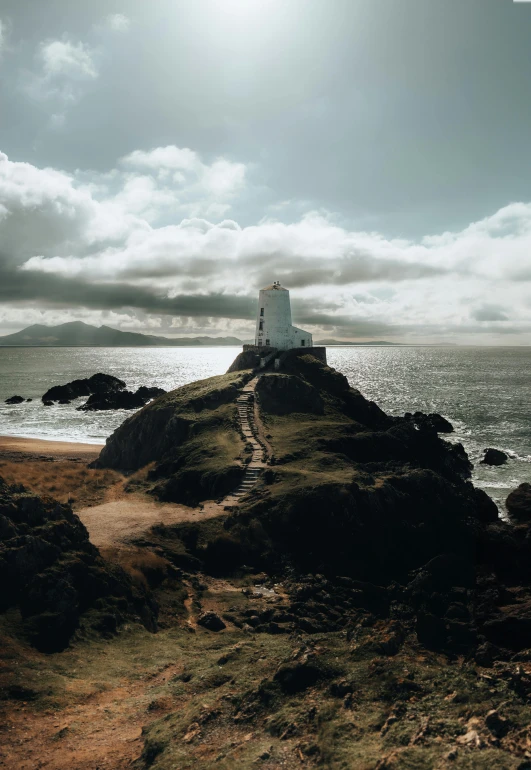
(432, 422)
(211, 621)
(287, 393)
(121, 399)
(15, 400)
(494, 457)
(519, 502)
(249, 358)
(97, 384)
(56, 577)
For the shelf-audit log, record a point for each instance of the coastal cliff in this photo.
(360, 605)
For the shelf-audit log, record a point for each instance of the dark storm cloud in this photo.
(346, 325)
(289, 269)
(489, 313)
(25, 286)
(53, 290)
(363, 267)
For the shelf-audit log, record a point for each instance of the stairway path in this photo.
(246, 413)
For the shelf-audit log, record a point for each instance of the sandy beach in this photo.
(58, 450)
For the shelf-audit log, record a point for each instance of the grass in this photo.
(64, 480)
(210, 701)
(189, 399)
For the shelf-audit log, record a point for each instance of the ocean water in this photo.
(484, 392)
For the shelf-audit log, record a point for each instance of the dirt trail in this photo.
(120, 521)
(100, 727)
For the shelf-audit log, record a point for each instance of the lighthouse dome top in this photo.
(275, 285)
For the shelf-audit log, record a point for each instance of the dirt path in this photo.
(99, 726)
(120, 521)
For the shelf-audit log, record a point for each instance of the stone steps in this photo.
(245, 406)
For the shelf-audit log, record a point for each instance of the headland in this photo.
(360, 604)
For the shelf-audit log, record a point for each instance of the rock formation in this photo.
(104, 392)
(519, 502)
(15, 400)
(494, 457)
(97, 384)
(56, 578)
(350, 492)
(121, 399)
(434, 422)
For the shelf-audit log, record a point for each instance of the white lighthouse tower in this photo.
(273, 321)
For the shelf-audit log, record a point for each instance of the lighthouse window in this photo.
(267, 342)
(261, 325)
(262, 311)
(302, 343)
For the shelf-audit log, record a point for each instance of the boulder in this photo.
(47, 402)
(494, 457)
(14, 400)
(486, 509)
(519, 502)
(121, 399)
(98, 383)
(211, 621)
(433, 422)
(296, 676)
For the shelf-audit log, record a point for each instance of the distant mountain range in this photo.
(79, 334)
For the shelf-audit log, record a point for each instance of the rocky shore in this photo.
(363, 605)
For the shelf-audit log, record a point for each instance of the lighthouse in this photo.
(273, 321)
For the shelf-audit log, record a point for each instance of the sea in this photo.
(485, 392)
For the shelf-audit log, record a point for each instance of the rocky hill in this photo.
(349, 491)
(362, 606)
(189, 438)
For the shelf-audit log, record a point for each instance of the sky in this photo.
(162, 161)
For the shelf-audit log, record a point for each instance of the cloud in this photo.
(139, 240)
(489, 313)
(163, 158)
(63, 59)
(118, 22)
(223, 178)
(63, 71)
(219, 181)
(3, 36)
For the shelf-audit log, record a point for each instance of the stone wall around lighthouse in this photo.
(273, 321)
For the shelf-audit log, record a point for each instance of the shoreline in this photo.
(50, 447)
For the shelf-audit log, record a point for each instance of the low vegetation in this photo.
(65, 480)
(367, 607)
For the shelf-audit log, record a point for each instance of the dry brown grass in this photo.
(64, 480)
(145, 567)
